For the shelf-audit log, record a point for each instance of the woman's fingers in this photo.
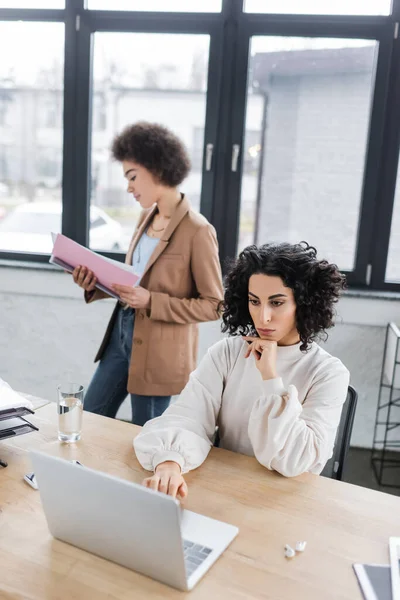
(92, 286)
(152, 482)
(84, 276)
(122, 290)
(257, 353)
(175, 482)
(76, 273)
(81, 276)
(87, 280)
(164, 484)
(173, 485)
(253, 347)
(128, 301)
(249, 349)
(183, 490)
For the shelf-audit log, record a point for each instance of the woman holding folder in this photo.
(150, 345)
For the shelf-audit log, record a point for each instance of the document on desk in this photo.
(68, 254)
(9, 399)
(374, 581)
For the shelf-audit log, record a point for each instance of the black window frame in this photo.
(230, 32)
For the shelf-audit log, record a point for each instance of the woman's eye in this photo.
(133, 178)
(253, 302)
(276, 303)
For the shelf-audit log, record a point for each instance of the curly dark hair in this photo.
(156, 148)
(316, 285)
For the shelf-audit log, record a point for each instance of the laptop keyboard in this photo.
(195, 555)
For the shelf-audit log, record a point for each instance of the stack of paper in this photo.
(12, 408)
(10, 399)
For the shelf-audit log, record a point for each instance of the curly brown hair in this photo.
(156, 148)
(316, 286)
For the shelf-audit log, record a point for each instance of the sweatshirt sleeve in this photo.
(185, 432)
(290, 437)
(206, 273)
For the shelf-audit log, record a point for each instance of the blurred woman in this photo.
(150, 346)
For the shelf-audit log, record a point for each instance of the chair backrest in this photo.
(335, 465)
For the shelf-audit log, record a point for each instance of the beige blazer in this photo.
(183, 276)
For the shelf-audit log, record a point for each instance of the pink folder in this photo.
(68, 254)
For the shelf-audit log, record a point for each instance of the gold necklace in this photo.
(156, 230)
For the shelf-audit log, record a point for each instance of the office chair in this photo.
(335, 465)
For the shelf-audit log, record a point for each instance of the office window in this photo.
(49, 167)
(49, 105)
(31, 108)
(6, 98)
(393, 263)
(252, 149)
(4, 156)
(309, 100)
(99, 112)
(32, 3)
(168, 85)
(319, 7)
(197, 148)
(212, 6)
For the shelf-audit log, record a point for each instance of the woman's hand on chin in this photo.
(264, 352)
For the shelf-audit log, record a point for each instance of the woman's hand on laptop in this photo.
(168, 479)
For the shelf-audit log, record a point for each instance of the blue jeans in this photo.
(108, 388)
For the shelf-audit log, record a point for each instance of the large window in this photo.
(393, 263)
(158, 5)
(320, 7)
(288, 109)
(32, 3)
(168, 85)
(309, 100)
(31, 135)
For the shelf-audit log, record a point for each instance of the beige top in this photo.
(289, 423)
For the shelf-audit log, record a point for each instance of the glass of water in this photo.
(70, 409)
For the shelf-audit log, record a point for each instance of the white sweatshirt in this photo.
(289, 423)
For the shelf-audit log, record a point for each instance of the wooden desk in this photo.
(341, 523)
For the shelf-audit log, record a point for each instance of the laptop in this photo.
(129, 524)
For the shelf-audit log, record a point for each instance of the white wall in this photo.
(49, 335)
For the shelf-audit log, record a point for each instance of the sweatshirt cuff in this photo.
(274, 386)
(161, 457)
